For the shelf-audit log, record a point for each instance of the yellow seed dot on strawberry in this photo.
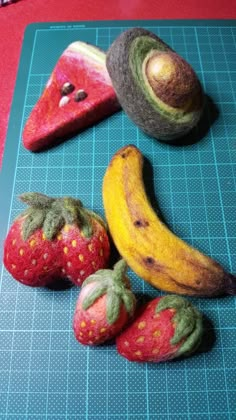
(141, 325)
(155, 351)
(26, 272)
(69, 264)
(90, 247)
(66, 228)
(93, 264)
(63, 270)
(101, 238)
(90, 333)
(65, 249)
(140, 339)
(13, 266)
(126, 343)
(81, 257)
(74, 243)
(102, 330)
(83, 324)
(156, 333)
(138, 353)
(32, 243)
(45, 268)
(45, 256)
(101, 252)
(81, 334)
(59, 237)
(156, 316)
(43, 236)
(82, 272)
(21, 252)
(33, 262)
(14, 242)
(93, 321)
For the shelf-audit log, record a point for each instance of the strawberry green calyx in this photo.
(188, 320)
(51, 214)
(113, 284)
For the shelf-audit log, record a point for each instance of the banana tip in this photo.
(231, 284)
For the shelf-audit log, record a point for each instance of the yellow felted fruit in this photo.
(156, 87)
(148, 246)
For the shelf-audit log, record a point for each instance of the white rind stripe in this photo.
(89, 50)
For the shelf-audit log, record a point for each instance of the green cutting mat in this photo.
(44, 372)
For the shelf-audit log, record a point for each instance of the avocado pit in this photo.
(171, 78)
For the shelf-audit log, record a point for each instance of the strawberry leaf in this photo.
(119, 271)
(98, 218)
(194, 339)
(113, 307)
(34, 220)
(93, 295)
(188, 322)
(84, 221)
(37, 200)
(70, 209)
(185, 324)
(52, 224)
(115, 286)
(129, 301)
(102, 276)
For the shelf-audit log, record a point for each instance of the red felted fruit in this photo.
(104, 306)
(165, 328)
(55, 238)
(78, 94)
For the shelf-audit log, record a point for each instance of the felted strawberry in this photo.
(55, 238)
(165, 328)
(104, 306)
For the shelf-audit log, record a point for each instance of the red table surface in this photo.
(15, 17)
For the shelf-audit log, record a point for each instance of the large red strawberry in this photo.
(165, 328)
(104, 306)
(55, 238)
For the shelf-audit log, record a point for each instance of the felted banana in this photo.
(152, 251)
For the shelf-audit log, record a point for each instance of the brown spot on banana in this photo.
(141, 223)
(150, 262)
(201, 286)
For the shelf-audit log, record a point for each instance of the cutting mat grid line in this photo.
(44, 372)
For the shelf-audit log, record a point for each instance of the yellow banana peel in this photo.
(152, 251)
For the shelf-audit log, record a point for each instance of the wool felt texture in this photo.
(24, 12)
(55, 238)
(78, 94)
(157, 88)
(165, 328)
(150, 248)
(104, 306)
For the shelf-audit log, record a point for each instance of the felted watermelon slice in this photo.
(78, 94)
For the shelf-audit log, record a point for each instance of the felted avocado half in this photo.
(156, 87)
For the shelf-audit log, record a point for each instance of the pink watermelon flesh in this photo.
(83, 66)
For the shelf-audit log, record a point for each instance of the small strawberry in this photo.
(166, 328)
(104, 306)
(55, 238)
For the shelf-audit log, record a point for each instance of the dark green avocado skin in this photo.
(132, 99)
